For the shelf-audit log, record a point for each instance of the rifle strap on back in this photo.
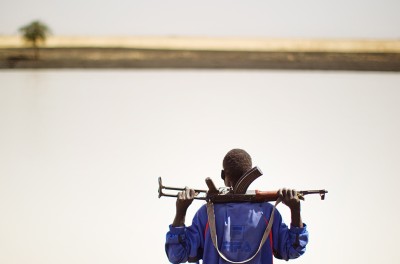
(213, 232)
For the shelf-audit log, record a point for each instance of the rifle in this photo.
(237, 194)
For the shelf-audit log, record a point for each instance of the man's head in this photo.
(236, 162)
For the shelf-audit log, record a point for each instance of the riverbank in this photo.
(203, 53)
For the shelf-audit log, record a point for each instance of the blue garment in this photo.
(239, 228)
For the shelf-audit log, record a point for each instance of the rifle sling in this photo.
(213, 232)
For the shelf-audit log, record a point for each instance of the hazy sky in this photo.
(257, 18)
(81, 152)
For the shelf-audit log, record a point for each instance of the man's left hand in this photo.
(290, 198)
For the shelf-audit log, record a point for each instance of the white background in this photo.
(81, 152)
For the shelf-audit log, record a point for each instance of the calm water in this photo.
(80, 153)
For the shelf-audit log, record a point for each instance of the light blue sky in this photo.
(256, 18)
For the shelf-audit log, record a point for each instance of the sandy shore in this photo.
(196, 52)
(217, 44)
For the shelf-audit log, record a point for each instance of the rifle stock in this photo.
(259, 196)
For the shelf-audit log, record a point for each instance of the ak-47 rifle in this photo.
(239, 193)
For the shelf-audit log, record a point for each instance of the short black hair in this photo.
(236, 163)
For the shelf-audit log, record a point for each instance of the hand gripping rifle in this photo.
(238, 193)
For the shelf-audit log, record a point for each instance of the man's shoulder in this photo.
(202, 210)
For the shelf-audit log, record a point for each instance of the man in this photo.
(239, 226)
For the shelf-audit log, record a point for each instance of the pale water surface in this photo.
(80, 153)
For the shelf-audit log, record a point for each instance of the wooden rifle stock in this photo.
(269, 196)
(258, 196)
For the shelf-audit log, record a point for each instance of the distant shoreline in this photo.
(203, 53)
(214, 44)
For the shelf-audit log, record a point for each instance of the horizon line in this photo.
(261, 44)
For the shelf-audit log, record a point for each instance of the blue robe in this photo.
(239, 228)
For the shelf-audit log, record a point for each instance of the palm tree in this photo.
(34, 33)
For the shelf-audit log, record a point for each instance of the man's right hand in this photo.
(184, 200)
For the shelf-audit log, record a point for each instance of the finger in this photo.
(187, 193)
(284, 193)
(290, 194)
(294, 194)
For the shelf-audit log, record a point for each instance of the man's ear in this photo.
(223, 175)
